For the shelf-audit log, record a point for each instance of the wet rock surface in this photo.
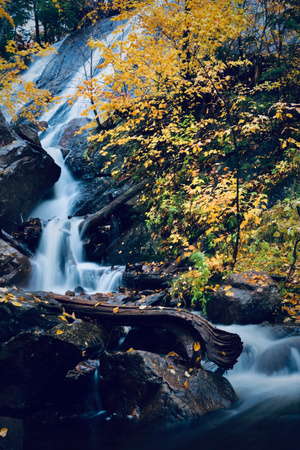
(13, 433)
(149, 387)
(15, 268)
(27, 172)
(29, 233)
(245, 298)
(39, 345)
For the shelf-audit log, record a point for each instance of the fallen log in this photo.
(221, 347)
(94, 220)
(22, 248)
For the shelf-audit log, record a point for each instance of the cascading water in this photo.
(266, 414)
(59, 264)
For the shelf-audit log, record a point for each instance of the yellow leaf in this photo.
(178, 260)
(99, 303)
(227, 287)
(172, 354)
(16, 303)
(186, 384)
(187, 374)
(3, 432)
(59, 332)
(115, 310)
(229, 294)
(63, 318)
(130, 350)
(197, 346)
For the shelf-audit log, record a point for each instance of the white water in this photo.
(262, 384)
(263, 397)
(59, 263)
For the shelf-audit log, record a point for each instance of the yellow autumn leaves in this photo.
(15, 90)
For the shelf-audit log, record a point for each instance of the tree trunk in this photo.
(37, 27)
(221, 347)
(93, 221)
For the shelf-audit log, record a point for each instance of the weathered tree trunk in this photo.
(96, 219)
(17, 245)
(221, 347)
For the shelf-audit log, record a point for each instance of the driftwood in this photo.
(221, 347)
(22, 248)
(94, 220)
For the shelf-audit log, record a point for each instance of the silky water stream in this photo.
(266, 414)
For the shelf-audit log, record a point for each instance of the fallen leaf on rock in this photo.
(63, 318)
(16, 303)
(197, 346)
(227, 287)
(3, 432)
(229, 294)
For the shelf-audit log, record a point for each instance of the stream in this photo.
(266, 414)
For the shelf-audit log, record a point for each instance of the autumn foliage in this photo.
(203, 98)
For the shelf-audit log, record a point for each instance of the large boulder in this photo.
(152, 388)
(32, 366)
(12, 434)
(22, 311)
(245, 298)
(15, 268)
(26, 173)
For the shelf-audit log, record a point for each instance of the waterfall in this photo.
(59, 264)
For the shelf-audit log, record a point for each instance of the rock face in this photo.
(38, 346)
(32, 366)
(13, 439)
(149, 387)
(245, 298)
(15, 268)
(26, 173)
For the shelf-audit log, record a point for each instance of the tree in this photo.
(15, 91)
(163, 77)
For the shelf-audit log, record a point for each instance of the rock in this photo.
(22, 312)
(245, 298)
(15, 268)
(26, 173)
(29, 233)
(32, 366)
(279, 357)
(13, 440)
(77, 144)
(154, 340)
(151, 388)
(86, 336)
(28, 134)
